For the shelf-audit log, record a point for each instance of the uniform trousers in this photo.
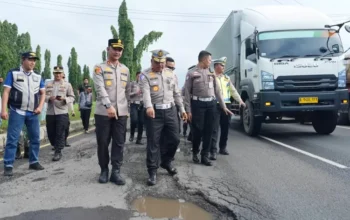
(85, 117)
(56, 126)
(136, 120)
(203, 115)
(165, 123)
(108, 129)
(67, 132)
(222, 120)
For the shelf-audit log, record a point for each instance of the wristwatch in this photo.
(108, 105)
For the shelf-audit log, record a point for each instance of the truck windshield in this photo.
(298, 43)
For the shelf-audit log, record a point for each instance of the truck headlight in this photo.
(342, 79)
(267, 81)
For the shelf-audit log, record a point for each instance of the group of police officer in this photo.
(155, 95)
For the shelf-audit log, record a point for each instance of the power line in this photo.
(296, 1)
(278, 2)
(112, 9)
(111, 16)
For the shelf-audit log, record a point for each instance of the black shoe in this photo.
(184, 134)
(224, 152)
(212, 156)
(36, 166)
(8, 171)
(117, 178)
(57, 156)
(103, 176)
(171, 170)
(195, 159)
(131, 139)
(152, 180)
(67, 145)
(139, 142)
(205, 161)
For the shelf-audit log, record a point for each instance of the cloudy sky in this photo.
(187, 25)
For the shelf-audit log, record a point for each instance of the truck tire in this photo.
(325, 122)
(251, 124)
(343, 119)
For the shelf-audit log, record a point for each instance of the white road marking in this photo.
(305, 153)
(339, 126)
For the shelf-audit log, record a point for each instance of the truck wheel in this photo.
(251, 123)
(325, 122)
(343, 119)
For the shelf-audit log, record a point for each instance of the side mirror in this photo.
(335, 48)
(347, 28)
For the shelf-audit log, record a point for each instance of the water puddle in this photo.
(167, 208)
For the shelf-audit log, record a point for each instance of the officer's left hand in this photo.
(241, 103)
(73, 114)
(184, 116)
(37, 110)
(227, 111)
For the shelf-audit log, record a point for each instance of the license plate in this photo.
(308, 100)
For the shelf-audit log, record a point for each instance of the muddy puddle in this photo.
(167, 208)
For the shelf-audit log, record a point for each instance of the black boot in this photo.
(206, 161)
(152, 180)
(36, 166)
(103, 176)
(116, 177)
(171, 170)
(212, 156)
(8, 171)
(195, 158)
(67, 144)
(57, 156)
(224, 151)
(131, 139)
(139, 142)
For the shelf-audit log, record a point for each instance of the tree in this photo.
(47, 69)
(86, 72)
(132, 55)
(59, 60)
(104, 56)
(38, 62)
(74, 69)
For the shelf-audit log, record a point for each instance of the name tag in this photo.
(124, 78)
(211, 85)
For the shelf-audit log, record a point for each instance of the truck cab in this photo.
(289, 65)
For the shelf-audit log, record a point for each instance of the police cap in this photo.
(30, 55)
(159, 55)
(221, 61)
(58, 69)
(115, 43)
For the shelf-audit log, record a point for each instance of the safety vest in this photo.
(224, 82)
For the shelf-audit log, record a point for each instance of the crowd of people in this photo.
(153, 101)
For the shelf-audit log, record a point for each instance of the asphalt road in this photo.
(290, 171)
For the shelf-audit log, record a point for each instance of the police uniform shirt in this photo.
(59, 88)
(9, 82)
(135, 92)
(160, 88)
(112, 85)
(203, 84)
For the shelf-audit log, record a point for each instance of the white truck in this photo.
(287, 62)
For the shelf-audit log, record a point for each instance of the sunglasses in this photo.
(170, 67)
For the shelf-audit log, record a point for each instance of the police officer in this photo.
(221, 118)
(24, 92)
(112, 83)
(160, 94)
(136, 110)
(59, 95)
(201, 92)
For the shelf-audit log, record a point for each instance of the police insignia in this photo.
(142, 76)
(98, 70)
(160, 53)
(108, 82)
(155, 88)
(124, 84)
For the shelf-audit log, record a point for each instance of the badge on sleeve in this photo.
(142, 76)
(98, 70)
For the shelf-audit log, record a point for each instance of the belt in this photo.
(163, 106)
(206, 99)
(136, 102)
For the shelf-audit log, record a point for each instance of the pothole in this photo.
(168, 208)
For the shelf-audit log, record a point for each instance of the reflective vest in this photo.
(224, 82)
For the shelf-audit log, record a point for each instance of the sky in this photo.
(187, 25)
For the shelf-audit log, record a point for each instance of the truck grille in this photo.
(306, 83)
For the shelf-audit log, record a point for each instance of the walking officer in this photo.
(160, 94)
(24, 96)
(136, 110)
(221, 118)
(112, 83)
(201, 94)
(59, 95)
